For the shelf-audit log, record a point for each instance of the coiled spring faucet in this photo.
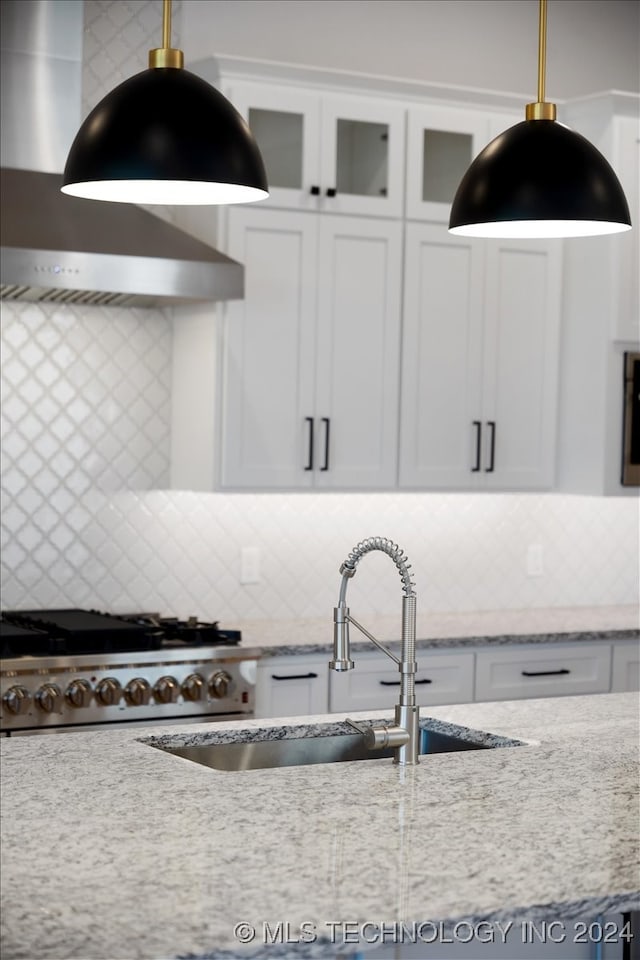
(403, 735)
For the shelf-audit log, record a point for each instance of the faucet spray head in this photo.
(341, 645)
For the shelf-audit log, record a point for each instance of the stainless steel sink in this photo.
(301, 750)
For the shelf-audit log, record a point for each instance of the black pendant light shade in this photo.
(539, 178)
(165, 136)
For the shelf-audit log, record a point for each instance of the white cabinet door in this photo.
(520, 363)
(285, 122)
(537, 670)
(333, 153)
(625, 671)
(311, 356)
(626, 246)
(269, 356)
(441, 143)
(601, 285)
(362, 156)
(480, 367)
(358, 352)
(441, 362)
(374, 682)
(292, 686)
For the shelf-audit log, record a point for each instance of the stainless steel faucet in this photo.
(403, 735)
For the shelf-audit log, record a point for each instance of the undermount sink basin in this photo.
(302, 750)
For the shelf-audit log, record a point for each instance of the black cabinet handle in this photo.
(315, 191)
(478, 426)
(295, 676)
(309, 465)
(492, 455)
(326, 422)
(331, 191)
(396, 683)
(545, 673)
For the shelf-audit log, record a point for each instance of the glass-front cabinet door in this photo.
(286, 125)
(441, 143)
(326, 152)
(362, 156)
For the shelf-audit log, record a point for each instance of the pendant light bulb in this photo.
(539, 179)
(165, 136)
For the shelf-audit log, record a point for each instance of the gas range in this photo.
(70, 670)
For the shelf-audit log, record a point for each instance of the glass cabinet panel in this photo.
(445, 159)
(362, 161)
(442, 142)
(279, 136)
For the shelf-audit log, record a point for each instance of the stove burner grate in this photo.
(75, 632)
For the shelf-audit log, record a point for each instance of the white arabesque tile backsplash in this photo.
(85, 453)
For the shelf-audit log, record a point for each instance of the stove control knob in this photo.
(219, 684)
(192, 687)
(17, 699)
(108, 692)
(78, 693)
(137, 692)
(49, 697)
(166, 690)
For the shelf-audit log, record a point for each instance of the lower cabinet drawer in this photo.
(542, 670)
(292, 686)
(374, 683)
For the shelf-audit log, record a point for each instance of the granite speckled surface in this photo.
(115, 850)
(451, 630)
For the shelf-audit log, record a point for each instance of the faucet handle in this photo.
(357, 726)
(381, 736)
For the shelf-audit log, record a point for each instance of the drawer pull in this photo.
(492, 426)
(326, 422)
(295, 676)
(396, 683)
(545, 673)
(477, 424)
(309, 465)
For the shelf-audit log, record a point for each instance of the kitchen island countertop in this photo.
(114, 850)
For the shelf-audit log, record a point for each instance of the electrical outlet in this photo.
(250, 565)
(535, 560)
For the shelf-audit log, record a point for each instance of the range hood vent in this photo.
(51, 295)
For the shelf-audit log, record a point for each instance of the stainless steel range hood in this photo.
(64, 249)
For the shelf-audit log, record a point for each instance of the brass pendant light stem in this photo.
(542, 49)
(541, 110)
(166, 55)
(166, 26)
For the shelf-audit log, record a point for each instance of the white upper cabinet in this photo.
(373, 350)
(441, 364)
(326, 152)
(612, 123)
(442, 142)
(601, 318)
(480, 355)
(311, 359)
(268, 376)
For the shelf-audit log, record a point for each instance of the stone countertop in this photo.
(451, 630)
(115, 850)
